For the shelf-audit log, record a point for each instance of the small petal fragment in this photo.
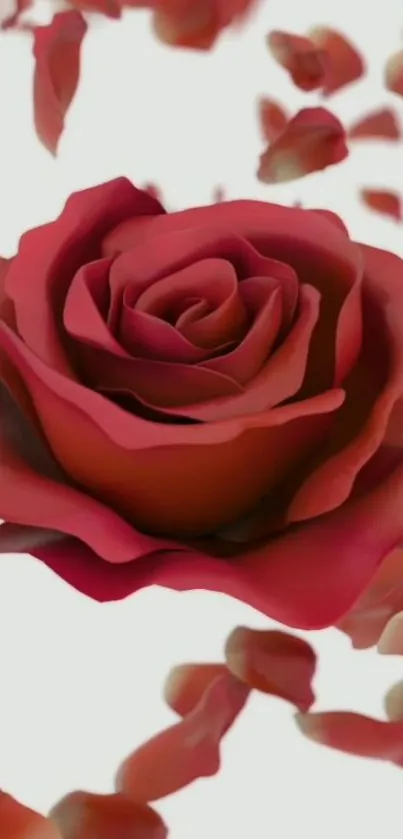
(313, 140)
(355, 734)
(382, 124)
(20, 822)
(86, 815)
(393, 702)
(394, 73)
(273, 662)
(188, 750)
(305, 62)
(273, 119)
(383, 201)
(57, 70)
(344, 63)
(187, 683)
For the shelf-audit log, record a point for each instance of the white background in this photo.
(80, 682)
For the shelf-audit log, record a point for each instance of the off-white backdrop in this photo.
(80, 682)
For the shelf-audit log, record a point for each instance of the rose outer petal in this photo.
(308, 578)
(57, 69)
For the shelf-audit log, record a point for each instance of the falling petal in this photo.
(57, 69)
(20, 7)
(344, 63)
(273, 662)
(355, 734)
(313, 140)
(391, 640)
(383, 201)
(196, 24)
(86, 815)
(20, 822)
(272, 118)
(188, 750)
(394, 73)
(381, 124)
(393, 702)
(305, 62)
(187, 683)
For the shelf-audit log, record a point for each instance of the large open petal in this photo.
(88, 815)
(129, 462)
(375, 388)
(188, 750)
(305, 62)
(51, 254)
(308, 578)
(57, 69)
(311, 141)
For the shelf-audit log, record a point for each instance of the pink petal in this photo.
(273, 662)
(20, 822)
(394, 73)
(383, 201)
(86, 815)
(273, 119)
(57, 69)
(313, 140)
(12, 20)
(188, 750)
(382, 124)
(344, 63)
(187, 683)
(303, 60)
(355, 734)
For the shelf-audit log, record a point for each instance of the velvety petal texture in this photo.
(205, 399)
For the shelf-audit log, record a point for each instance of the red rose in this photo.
(203, 399)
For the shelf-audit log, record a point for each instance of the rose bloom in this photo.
(206, 399)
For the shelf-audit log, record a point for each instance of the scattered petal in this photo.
(313, 140)
(20, 7)
(187, 683)
(57, 69)
(305, 62)
(20, 822)
(383, 201)
(188, 750)
(273, 119)
(273, 662)
(391, 640)
(355, 734)
(393, 702)
(381, 124)
(344, 63)
(86, 815)
(196, 24)
(394, 73)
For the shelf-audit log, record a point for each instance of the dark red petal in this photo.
(86, 815)
(188, 750)
(312, 140)
(382, 124)
(273, 662)
(383, 201)
(355, 734)
(394, 73)
(57, 70)
(20, 822)
(344, 63)
(303, 60)
(187, 683)
(273, 119)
